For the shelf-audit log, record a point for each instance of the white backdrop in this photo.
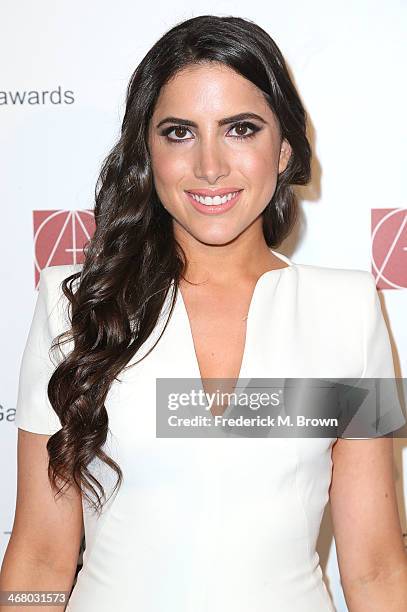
(346, 59)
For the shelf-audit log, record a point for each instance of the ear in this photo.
(285, 154)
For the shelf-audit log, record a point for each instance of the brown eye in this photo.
(180, 131)
(176, 133)
(241, 130)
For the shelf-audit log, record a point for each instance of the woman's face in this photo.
(200, 148)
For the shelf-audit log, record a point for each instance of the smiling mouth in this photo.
(217, 200)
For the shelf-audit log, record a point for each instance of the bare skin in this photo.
(43, 549)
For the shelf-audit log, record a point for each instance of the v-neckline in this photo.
(192, 347)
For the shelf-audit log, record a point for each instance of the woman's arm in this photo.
(370, 551)
(44, 544)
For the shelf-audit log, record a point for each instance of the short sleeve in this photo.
(34, 411)
(382, 412)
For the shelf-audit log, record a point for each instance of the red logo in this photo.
(60, 237)
(389, 247)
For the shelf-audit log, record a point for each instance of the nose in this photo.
(211, 161)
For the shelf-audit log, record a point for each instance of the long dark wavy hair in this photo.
(133, 257)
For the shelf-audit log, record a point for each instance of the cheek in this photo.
(259, 166)
(168, 167)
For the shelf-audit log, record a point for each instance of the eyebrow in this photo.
(225, 121)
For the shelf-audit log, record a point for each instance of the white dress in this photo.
(215, 524)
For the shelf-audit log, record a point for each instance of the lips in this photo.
(214, 192)
(213, 205)
(214, 197)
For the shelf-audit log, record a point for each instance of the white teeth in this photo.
(208, 201)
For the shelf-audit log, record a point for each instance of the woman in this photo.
(182, 280)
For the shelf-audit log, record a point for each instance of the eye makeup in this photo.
(245, 124)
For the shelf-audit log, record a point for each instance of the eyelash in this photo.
(251, 126)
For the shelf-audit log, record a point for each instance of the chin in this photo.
(215, 238)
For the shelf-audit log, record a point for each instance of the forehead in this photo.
(206, 89)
